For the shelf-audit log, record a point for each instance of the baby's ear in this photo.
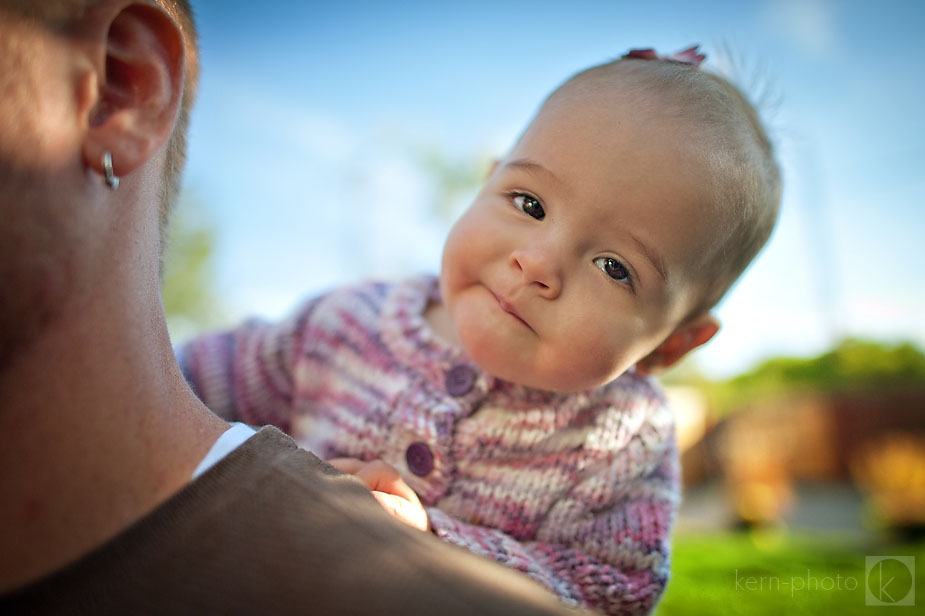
(684, 339)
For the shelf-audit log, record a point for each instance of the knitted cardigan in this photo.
(578, 491)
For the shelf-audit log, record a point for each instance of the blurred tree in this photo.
(688, 371)
(852, 365)
(189, 279)
(454, 181)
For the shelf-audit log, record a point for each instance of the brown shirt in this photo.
(272, 529)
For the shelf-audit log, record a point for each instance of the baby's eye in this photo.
(614, 269)
(529, 206)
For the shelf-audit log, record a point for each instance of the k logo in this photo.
(890, 580)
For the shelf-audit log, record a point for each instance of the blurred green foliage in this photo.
(189, 277)
(853, 365)
(454, 181)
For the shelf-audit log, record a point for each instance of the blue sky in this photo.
(304, 141)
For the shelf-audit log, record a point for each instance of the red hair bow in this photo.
(691, 55)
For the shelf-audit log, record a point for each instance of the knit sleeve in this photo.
(609, 555)
(246, 374)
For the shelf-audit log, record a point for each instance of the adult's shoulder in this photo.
(317, 536)
(273, 529)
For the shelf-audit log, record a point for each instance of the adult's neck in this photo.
(97, 425)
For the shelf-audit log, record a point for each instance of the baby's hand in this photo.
(388, 488)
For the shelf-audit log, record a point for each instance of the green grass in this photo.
(778, 573)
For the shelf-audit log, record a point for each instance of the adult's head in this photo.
(60, 16)
(79, 78)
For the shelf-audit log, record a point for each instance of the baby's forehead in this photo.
(608, 106)
(608, 84)
(586, 125)
(656, 90)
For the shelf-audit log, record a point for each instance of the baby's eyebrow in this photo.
(534, 168)
(657, 261)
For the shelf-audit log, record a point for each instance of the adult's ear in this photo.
(683, 340)
(140, 78)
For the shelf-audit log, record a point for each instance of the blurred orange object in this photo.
(891, 471)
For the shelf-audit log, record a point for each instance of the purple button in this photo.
(459, 380)
(420, 459)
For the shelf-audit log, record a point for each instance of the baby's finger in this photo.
(347, 465)
(378, 475)
(410, 513)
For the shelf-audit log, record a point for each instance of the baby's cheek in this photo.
(600, 357)
(576, 367)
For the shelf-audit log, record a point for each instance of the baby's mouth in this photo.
(508, 308)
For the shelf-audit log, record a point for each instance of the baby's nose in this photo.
(540, 269)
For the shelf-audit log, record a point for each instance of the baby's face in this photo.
(575, 260)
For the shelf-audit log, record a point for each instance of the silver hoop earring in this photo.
(111, 180)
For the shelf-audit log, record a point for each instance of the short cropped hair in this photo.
(182, 13)
(745, 175)
(57, 14)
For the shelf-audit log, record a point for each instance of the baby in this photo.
(513, 394)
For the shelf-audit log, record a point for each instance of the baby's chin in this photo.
(547, 378)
